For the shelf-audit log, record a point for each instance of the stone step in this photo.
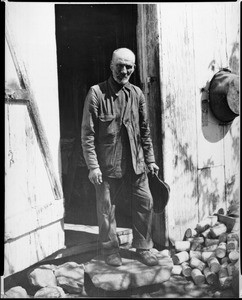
(131, 274)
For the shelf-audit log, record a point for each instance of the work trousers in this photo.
(137, 191)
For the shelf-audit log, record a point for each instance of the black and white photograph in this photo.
(122, 150)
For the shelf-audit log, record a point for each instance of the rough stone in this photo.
(50, 292)
(189, 286)
(16, 292)
(70, 276)
(42, 276)
(162, 253)
(131, 274)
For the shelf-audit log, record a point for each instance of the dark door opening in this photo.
(86, 36)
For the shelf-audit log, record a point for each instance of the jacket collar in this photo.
(117, 87)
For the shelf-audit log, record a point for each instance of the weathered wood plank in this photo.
(16, 178)
(208, 60)
(177, 80)
(36, 45)
(90, 243)
(11, 77)
(232, 163)
(32, 246)
(17, 95)
(211, 191)
(232, 32)
(215, 146)
(37, 217)
(29, 200)
(148, 61)
(33, 109)
(43, 142)
(148, 64)
(92, 229)
(82, 234)
(194, 45)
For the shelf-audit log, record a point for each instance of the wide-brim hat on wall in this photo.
(160, 192)
(224, 95)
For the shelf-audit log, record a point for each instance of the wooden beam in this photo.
(33, 111)
(81, 246)
(17, 97)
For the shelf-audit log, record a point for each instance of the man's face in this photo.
(122, 67)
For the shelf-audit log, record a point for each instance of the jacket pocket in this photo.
(106, 156)
(107, 129)
(106, 118)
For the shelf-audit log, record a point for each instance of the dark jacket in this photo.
(104, 116)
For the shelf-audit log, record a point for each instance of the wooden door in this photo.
(34, 204)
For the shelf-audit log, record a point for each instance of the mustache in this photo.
(123, 76)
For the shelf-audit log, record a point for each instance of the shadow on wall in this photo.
(213, 129)
(210, 193)
(184, 166)
(184, 162)
(233, 194)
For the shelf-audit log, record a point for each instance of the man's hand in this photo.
(95, 176)
(153, 168)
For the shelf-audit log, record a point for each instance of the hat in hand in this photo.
(160, 192)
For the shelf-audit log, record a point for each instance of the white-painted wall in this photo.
(33, 216)
(200, 158)
(33, 33)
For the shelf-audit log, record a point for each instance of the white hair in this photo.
(123, 50)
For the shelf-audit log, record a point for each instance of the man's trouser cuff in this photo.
(110, 247)
(141, 244)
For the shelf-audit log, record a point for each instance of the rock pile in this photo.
(16, 292)
(209, 253)
(52, 281)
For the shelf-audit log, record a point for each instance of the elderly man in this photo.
(117, 148)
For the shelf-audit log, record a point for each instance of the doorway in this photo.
(86, 36)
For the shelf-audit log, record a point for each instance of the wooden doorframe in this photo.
(148, 57)
(149, 71)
